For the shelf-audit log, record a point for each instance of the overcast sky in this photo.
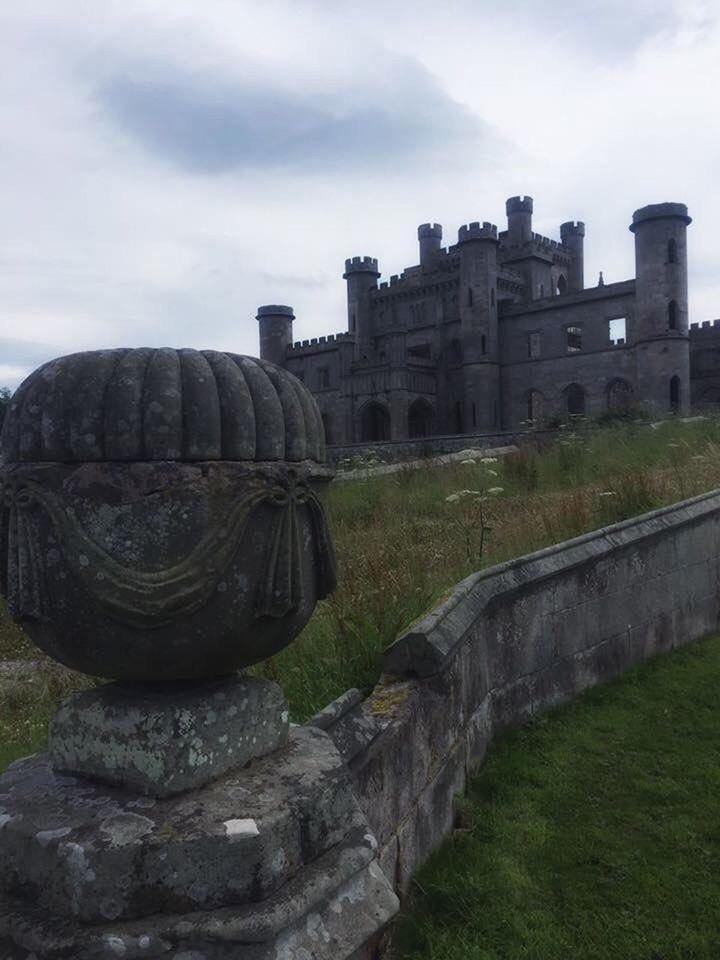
(169, 165)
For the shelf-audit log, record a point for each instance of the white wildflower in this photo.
(452, 498)
(489, 460)
(607, 493)
(493, 473)
(468, 463)
(495, 490)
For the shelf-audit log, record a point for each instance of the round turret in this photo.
(519, 212)
(276, 331)
(572, 234)
(430, 238)
(660, 328)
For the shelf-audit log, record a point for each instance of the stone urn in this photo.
(161, 514)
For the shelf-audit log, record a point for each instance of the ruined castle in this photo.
(499, 330)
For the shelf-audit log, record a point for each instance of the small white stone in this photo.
(240, 828)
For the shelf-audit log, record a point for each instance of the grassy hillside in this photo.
(404, 540)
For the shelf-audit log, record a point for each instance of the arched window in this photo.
(374, 422)
(674, 394)
(492, 297)
(672, 315)
(483, 344)
(575, 400)
(561, 286)
(458, 424)
(672, 251)
(470, 297)
(421, 418)
(327, 424)
(619, 394)
(535, 403)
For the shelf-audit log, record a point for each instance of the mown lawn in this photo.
(592, 834)
(401, 544)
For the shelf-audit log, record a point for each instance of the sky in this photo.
(169, 165)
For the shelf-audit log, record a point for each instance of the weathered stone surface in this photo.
(349, 722)
(164, 740)
(335, 907)
(161, 512)
(99, 853)
(164, 570)
(165, 404)
(518, 639)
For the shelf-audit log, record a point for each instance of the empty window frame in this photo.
(617, 330)
(533, 344)
(672, 315)
(323, 378)
(573, 339)
(672, 251)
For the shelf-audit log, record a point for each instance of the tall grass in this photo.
(400, 545)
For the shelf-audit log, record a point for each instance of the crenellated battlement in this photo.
(705, 327)
(477, 231)
(361, 265)
(426, 230)
(519, 205)
(572, 228)
(318, 343)
(545, 241)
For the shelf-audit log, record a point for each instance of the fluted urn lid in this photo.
(161, 404)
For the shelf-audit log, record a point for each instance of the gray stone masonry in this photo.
(275, 858)
(509, 643)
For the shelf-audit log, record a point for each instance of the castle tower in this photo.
(276, 331)
(430, 237)
(519, 216)
(477, 246)
(362, 275)
(659, 330)
(572, 235)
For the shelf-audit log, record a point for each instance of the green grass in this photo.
(591, 834)
(401, 546)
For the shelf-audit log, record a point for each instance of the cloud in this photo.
(170, 165)
(208, 126)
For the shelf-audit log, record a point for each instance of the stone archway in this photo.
(374, 422)
(421, 418)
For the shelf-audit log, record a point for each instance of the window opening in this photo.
(573, 339)
(617, 330)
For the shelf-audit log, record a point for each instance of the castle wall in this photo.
(705, 366)
(594, 367)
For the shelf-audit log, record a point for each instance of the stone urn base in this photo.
(272, 861)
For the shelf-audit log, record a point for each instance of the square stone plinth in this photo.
(165, 740)
(276, 856)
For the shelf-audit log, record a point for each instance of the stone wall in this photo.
(510, 642)
(398, 451)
